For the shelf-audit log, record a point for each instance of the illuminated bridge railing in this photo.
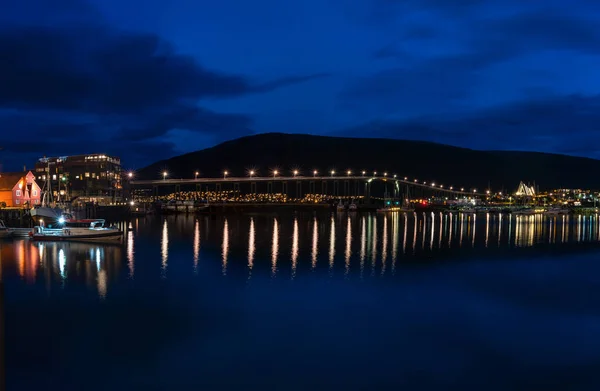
(367, 179)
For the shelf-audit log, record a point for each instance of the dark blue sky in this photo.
(148, 79)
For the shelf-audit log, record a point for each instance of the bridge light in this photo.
(374, 173)
(251, 173)
(295, 172)
(315, 172)
(441, 186)
(500, 194)
(385, 174)
(487, 192)
(474, 190)
(415, 181)
(462, 189)
(164, 175)
(225, 173)
(364, 172)
(332, 172)
(395, 175)
(349, 172)
(196, 174)
(405, 178)
(451, 188)
(275, 172)
(433, 185)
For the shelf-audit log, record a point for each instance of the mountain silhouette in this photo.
(425, 161)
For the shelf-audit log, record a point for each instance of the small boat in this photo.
(5, 232)
(78, 230)
(526, 212)
(556, 211)
(404, 209)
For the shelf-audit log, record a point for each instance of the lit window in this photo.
(76, 176)
(54, 177)
(18, 193)
(87, 174)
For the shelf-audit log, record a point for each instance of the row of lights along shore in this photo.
(295, 173)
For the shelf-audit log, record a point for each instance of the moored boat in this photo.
(78, 230)
(5, 232)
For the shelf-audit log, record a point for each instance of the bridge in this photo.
(332, 185)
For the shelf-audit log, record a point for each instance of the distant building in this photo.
(94, 175)
(19, 189)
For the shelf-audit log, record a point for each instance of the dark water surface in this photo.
(300, 302)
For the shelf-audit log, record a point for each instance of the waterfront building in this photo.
(94, 176)
(19, 189)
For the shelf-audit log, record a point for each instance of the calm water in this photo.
(307, 301)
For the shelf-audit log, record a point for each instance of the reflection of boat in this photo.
(78, 230)
(5, 232)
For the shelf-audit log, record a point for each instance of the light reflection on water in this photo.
(383, 241)
(239, 306)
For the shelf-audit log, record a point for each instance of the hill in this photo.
(426, 161)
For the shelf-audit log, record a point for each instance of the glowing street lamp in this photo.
(451, 188)
(433, 185)
(487, 192)
(225, 173)
(315, 172)
(349, 172)
(395, 176)
(196, 175)
(130, 174)
(275, 172)
(405, 178)
(385, 174)
(363, 173)
(251, 173)
(474, 190)
(164, 175)
(462, 189)
(374, 173)
(295, 173)
(332, 172)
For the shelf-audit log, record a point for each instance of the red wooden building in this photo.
(18, 189)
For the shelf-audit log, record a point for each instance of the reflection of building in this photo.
(81, 175)
(19, 189)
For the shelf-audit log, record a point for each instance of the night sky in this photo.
(149, 79)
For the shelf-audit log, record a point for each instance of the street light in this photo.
(225, 173)
(251, 173)
(275, 172)
(130, 175)
(405, 178)
(164, 175)
(385, 174)
(374, 173)
(364, 172)
(395, 175)
(349, 172)
(332, 172)
(462, 189)
(315, 173)
(196, 175)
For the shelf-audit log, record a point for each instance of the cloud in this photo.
(472, 56)
(72, 77)
(565, 124)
